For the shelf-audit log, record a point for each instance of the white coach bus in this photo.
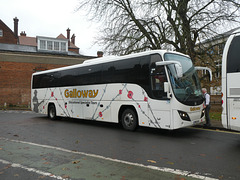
(230, 82)
(157, 89)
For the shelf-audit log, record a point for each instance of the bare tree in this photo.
(133, 25)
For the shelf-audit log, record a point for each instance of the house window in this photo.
(52, 45)
(42, 44)
(63, 46)
(1, 33)
(56, 46)
(49, 45)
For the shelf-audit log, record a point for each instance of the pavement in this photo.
(215, 125)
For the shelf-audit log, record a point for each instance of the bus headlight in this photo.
(203, 112)
(184, 116)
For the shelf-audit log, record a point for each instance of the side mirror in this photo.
(205, 68)
(167, 89)
(179, 71)
(177, 65)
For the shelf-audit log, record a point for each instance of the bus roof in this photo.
(108, 59)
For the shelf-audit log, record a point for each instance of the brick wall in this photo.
(16, 71)
(8, 36)
(15, 81)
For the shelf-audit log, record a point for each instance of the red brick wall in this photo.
(76, 50)
(8, 36)
(15, 81)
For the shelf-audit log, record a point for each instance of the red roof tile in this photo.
(61, 36)
(73, 45)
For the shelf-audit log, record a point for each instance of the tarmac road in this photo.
(33, 147)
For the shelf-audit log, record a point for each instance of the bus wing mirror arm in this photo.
(177, 65)
(205, 68)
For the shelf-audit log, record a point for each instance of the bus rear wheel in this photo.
(52, 114)
(129, 120)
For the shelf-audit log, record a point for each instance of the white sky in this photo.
(50, 18)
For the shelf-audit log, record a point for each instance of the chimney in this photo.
(68, 36)
(23, 33)
(99, 54)
(73, 39)
(16, 26)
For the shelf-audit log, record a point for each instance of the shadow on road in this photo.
(178, 133)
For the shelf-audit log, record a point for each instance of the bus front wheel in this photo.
(52, 114)
(129, 120)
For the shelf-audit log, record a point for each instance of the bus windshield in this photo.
(186, 89)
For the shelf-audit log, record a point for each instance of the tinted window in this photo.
(42, 80)
(66, 78)
(233, 57)
(155, 58)
(127, 71)
(134, 70)
(108, 72)
(94, 74)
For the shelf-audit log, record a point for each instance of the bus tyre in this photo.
(129, 120)
(52, 114)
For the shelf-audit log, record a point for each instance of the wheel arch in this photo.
(124, 107)
(49, 105)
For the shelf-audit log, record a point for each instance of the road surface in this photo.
(34, 147)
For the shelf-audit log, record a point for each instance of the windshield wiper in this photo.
(186, 98)
(189, 92)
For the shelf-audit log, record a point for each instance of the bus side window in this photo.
(108, 70)
(57, 79)
(155, 58)
(94, 74)
(127, 71)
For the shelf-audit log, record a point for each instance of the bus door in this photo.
(159, 111)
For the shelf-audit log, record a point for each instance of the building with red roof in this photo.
(60, 44)
(21, 55)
